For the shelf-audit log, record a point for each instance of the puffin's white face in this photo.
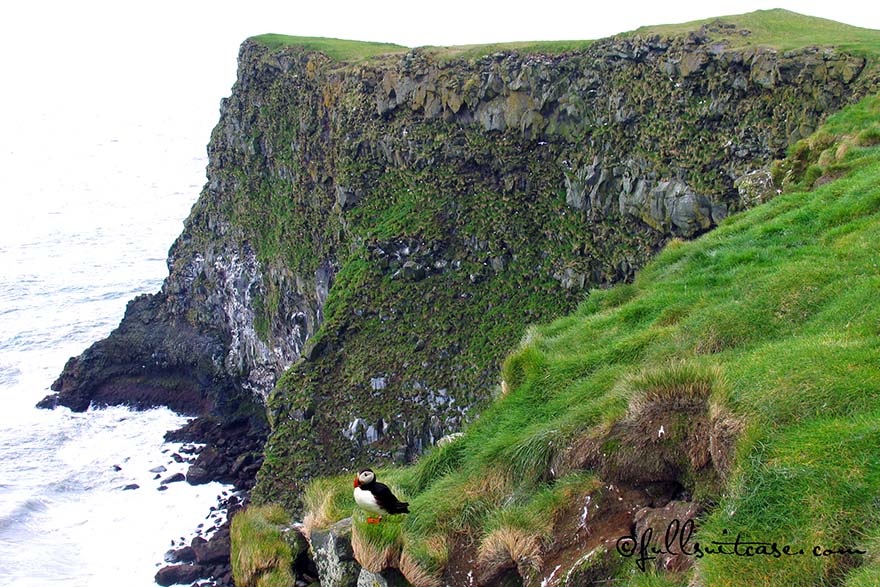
(366, 477)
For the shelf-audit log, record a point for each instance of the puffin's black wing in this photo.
(386, 500)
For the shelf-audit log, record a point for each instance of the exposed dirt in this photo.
(462, 571)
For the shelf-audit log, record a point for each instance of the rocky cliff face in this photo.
(382, 233)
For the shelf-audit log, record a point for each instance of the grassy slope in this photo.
(339, 49)
(780, 304)
(776, 28)
(783, 30)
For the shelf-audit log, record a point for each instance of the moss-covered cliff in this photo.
(381, 231)
(713, 423)
(459, 201)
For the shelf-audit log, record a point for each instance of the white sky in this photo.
(82, 57)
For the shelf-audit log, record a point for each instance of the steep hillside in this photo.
(735, 383)
(463, 200)
(379, 229)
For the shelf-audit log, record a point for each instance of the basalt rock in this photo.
(180, 574)
(333, 555)
(462, 192)
(233, 451)
(401, 220)
(388, 578)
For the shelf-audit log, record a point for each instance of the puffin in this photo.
(376, 498)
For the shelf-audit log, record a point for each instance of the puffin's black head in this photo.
(364, 477)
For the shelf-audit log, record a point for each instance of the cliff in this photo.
(376, 234)
(714, 422)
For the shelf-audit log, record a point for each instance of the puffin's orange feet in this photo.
(373, 520)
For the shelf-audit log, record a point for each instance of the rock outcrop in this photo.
(381, 233)
(333, 555)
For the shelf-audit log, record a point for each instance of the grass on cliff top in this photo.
(771, 321)
(780, 29)
(471, 52)
(339, 49)
(777, 28)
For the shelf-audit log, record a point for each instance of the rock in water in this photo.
(181, 555)
(214, 552)
(177, 477)
(179, 574)
(197, 476)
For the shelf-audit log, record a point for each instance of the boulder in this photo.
(197, 475)
(179, 574)
(216, 551)
(413, 271)
(180, 555)
(241, 462)
(387, 578)
(176, 478)
(755, 188)
(333, 555)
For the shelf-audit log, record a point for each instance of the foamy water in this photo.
(90, 206)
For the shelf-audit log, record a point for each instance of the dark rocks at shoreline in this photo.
(181, 555)
(198, 476)
(179, 574)
(153, 358)
(177, 477)
(214, 551)
(232, 453)
(206, 560)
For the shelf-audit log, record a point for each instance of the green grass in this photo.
(472, 52)
(781, 29)
(769, 324)
(260, 555)
(339, 49)
(777, 28)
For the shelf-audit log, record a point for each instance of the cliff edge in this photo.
(381, 231)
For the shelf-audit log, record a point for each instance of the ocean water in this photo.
(91, 201)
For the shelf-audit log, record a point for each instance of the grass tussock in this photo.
(678, 386)
(508, 548)
(742, 365)
(326, 501)
(376, 546)
(260, 556)
(424, 559)
(517, 534)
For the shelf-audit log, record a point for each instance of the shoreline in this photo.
(231, 453)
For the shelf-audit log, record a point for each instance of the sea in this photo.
(91, 201)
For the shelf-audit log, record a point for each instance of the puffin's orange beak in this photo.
(356, 484)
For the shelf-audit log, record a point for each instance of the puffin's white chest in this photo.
(367, 501)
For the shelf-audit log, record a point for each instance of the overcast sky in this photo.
(76, 43)
(76, 59)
